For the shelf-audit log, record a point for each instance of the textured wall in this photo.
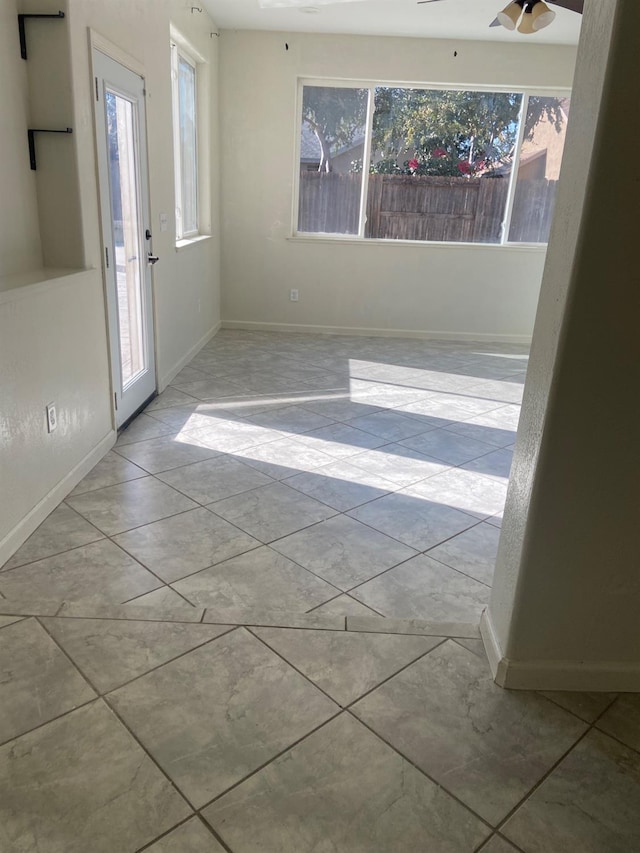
(480, 291)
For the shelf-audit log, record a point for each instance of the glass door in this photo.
(125, 230)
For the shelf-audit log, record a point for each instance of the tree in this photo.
(448, 132)
(336, 116)
(544, 109)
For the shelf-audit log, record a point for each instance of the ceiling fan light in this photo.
(541, 16)
(510, 15)
(526, 24)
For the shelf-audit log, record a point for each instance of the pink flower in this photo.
(414, 165)
(465, 167)
(481, 164)
(439, 152)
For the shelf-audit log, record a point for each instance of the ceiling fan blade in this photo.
(571, 5)
(495, 23)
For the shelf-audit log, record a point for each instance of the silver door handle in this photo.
(152, 259)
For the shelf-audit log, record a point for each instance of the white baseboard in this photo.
(21, 532)
(163, 381)
(249, 325)
(491, 645)
(580, 676)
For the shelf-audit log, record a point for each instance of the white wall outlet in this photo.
(52, 417)
(293, 295)
(164, 222)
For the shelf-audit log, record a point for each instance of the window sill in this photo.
(190, 241)
(429, 244)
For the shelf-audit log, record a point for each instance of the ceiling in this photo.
(461, 19)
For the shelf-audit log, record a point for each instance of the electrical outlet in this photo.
(52, 417)
(293, 296)
(164, 222)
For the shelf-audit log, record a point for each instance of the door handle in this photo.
(152, 259)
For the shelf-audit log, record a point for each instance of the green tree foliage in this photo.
(336, 116)
(544, 109)
(446, 132)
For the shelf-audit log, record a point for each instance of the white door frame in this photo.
(113, 77)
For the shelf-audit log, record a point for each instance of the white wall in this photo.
(566, 592)
(478, 291)
(53, 344)
(186, 283)
(52, 349)
(20, 248)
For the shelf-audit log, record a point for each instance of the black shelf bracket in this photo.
(23, 35)
(32, 141)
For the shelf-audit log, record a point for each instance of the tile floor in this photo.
(253, 626)
(299, 474)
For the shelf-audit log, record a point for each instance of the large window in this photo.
(399, 163)
(185, 137)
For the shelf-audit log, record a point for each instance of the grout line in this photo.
(282, 752)
(422, 655)
(166, 586)
(165, 834)
(346, 707)
(213, 832)
(485, 844)
(590, 727)
(418, 554)
(544, 695)
(312, 610)
(67, 655)
(101, 538)
(230, 629)
(250, 550)
(453, 568)
(15, 622)
(420, 770)
(73, 493)
(111, 536)
(149, 755)
(252, 630)
(221, 456)
(471, 517)
(52, 720)
(613, 737)
(368, 606)
(172, 437)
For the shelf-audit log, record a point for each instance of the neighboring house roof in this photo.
(310, 147)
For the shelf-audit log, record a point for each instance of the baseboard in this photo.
(580, 676)
(491, 644)
(163, 381)
(249, 325)
(21, 532)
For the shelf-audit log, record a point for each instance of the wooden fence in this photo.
(405, 207)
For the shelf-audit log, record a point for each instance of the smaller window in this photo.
(185, 143)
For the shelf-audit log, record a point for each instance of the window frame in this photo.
(325, 236)
(178, 53)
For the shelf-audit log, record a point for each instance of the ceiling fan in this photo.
(528, 16)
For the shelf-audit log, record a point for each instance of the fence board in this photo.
(412, 207)
(533, 208)
(329, 202)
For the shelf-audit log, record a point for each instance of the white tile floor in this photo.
(253, 626)
(349, 457)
